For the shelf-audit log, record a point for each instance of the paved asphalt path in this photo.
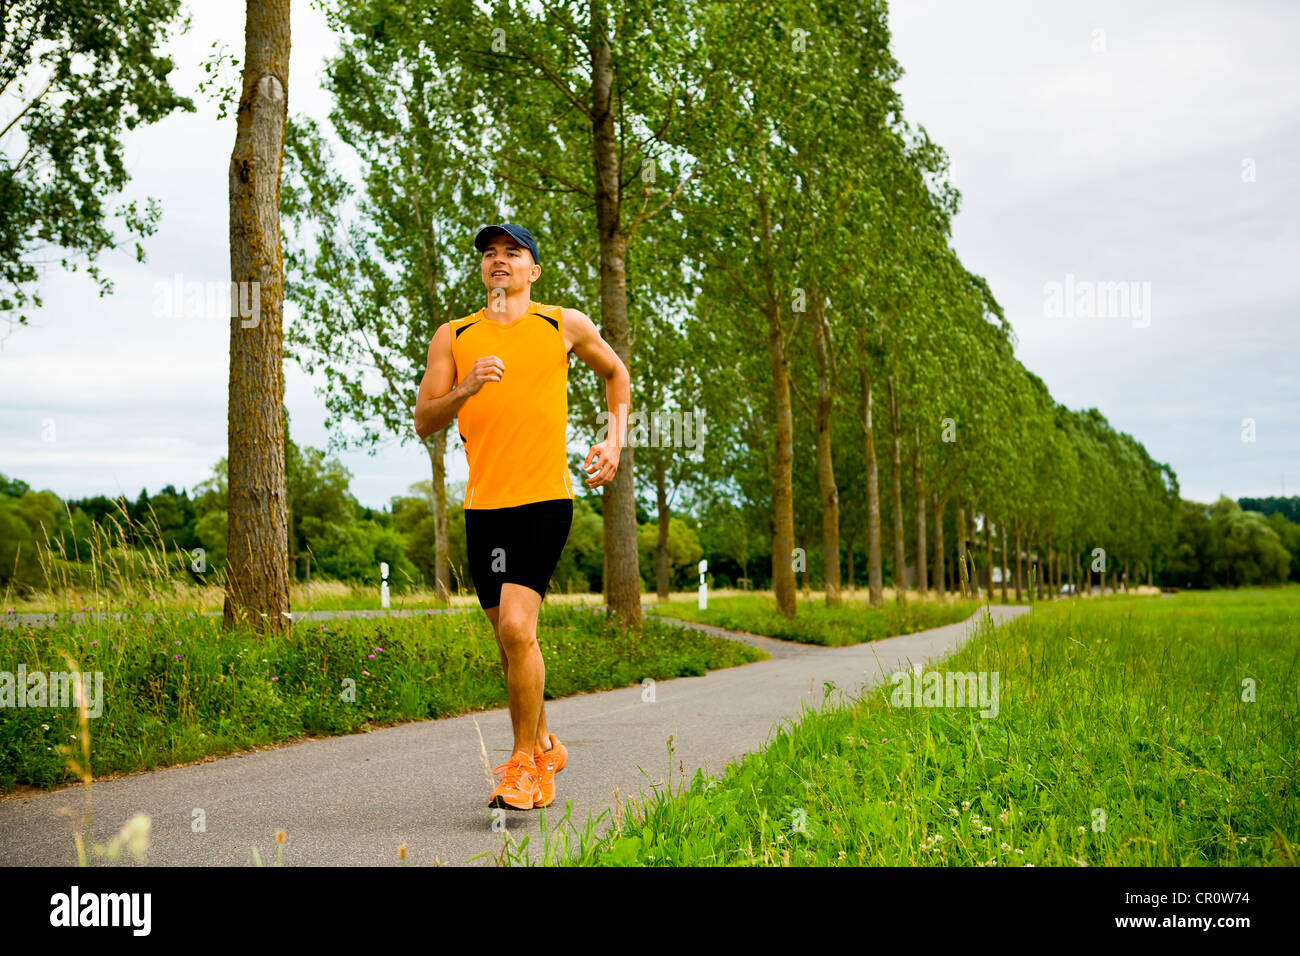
(352, 800)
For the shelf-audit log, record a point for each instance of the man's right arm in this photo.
(441, 396)
(438, 400)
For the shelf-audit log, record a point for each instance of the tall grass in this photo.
(122, 565)
(125, 565)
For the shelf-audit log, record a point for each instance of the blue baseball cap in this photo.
(518, 233)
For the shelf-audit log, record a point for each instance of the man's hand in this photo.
(608, 454)
(440, 397)
(596, 352)
(487, 369)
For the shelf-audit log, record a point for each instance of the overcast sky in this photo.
(1151, 144)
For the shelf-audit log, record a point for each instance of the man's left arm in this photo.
(604, 361)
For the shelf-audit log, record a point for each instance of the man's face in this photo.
(507, 266)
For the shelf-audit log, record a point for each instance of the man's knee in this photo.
(516, 632)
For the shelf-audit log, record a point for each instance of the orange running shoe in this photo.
(560, 752)
(518, 785)
(545, 762)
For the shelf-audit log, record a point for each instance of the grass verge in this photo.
(853, 622)
(1129, 733)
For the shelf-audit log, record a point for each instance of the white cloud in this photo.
(1127, 166)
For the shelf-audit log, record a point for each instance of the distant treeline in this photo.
(1288, 508)
(1232, 543)
(1250, 541)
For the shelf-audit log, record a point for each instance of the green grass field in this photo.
(1130, 732)
(814, 623)
(180, 688)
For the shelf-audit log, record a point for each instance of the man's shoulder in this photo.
(560, 314)
(570, 314)
(456, 326)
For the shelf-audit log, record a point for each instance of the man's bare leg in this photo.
(517, 616)
(543, 734)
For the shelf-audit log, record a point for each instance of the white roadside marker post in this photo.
(704, 588)
(383, 586)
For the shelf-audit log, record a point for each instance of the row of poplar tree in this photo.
(730, 190)
(737, 199)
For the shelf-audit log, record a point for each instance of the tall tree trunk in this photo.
(783, 581)
(940, 581)
(1031, 578)
(896, 481)
(988, 555)
(257, 538)
(1044, 571)
(849, 546)
(291, 533)
(1018, 567)
(435, 444)
(960, 529)
(874, 573)
(830, 496)
(919, 488)
(1069, 567)
(971, 548)
(665, 516)
(437, 448)
(1052, 578)
(1006, 567)
(622, 565)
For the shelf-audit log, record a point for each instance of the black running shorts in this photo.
(519, 545)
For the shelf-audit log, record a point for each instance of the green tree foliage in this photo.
(1289, 508)
(25, 520)
(1252, 552)
(1222, 544)
(581, 564)
(331, 534)
(78, 75)
(1288, 533)
(684, 552)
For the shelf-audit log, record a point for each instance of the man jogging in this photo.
(503, 373)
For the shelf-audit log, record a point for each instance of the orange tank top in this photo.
(514, 430)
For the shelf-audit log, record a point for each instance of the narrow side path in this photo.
(352, 800)
(774, 646)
